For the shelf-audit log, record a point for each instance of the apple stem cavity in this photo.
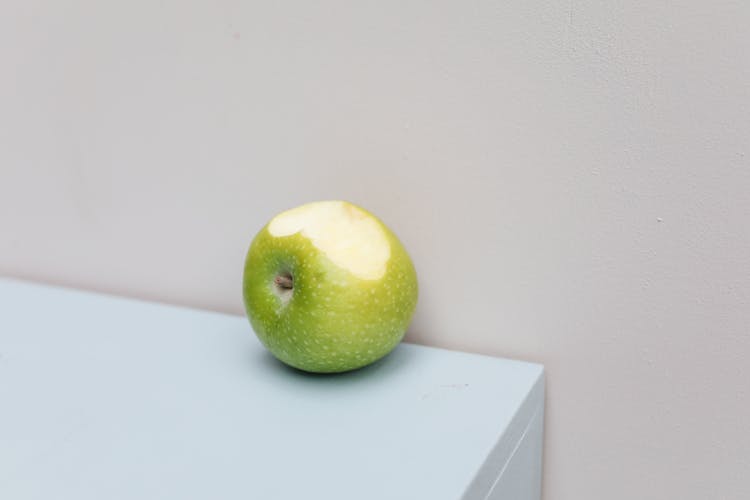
(284, 281)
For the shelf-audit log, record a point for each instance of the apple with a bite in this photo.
(328, 287)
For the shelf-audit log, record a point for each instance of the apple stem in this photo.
(285, 282)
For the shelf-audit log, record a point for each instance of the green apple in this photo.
(328, 287)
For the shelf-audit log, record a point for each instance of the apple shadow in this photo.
(385, 368)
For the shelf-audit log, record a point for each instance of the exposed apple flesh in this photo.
(351, 238)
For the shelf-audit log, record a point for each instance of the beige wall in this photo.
(571, 178)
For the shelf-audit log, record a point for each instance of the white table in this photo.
(107, 398)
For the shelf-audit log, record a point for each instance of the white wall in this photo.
(571, 178)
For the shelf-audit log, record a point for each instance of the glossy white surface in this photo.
(112, 398)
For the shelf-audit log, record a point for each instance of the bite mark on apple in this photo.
(347, 235)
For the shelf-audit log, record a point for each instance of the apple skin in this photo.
(334, 321)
